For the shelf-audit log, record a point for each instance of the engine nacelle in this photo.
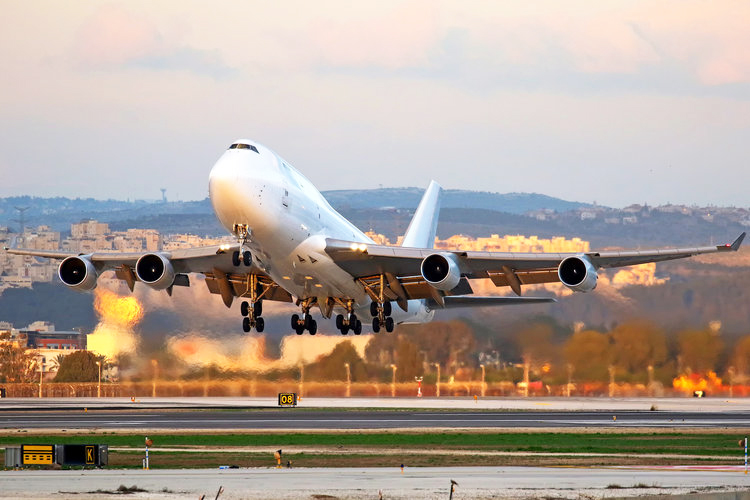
(441, 270)
(155, 270)
(578, 274)
(78, 273)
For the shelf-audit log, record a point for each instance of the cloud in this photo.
(115, 38)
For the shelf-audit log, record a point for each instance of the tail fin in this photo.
(423, 226)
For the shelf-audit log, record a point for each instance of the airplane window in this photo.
(244, 146)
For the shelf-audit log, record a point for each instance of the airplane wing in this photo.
(215, 262)
(402, 266)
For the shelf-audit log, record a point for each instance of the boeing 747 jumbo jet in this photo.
(292, 246)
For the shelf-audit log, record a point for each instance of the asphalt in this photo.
(338, 419)
(353, 483)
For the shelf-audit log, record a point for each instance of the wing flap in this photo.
(458, 302)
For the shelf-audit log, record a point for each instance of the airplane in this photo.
(292, 246)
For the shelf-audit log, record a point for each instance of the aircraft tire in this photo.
(295, 322)
(247, 258)
(246, 325)
(344, 329)
(376, 325)
(260, 324)
(389, 324)
(258, 308)
(299, 330)
(244, 308)
(313, 328)
(236, 258)
(339, 321)
(373, 309)
(387, 309)
(358, 328)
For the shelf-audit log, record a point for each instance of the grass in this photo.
(537, 442)
(374, 449)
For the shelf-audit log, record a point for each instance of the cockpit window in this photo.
(239, 145)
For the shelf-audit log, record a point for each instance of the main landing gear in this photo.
(306, 321)
(348, 321)
(252, 309)
(381, 313)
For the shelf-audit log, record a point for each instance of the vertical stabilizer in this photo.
(423, 226)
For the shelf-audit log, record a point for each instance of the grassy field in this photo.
(386, 449)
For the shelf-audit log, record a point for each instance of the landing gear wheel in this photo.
(352, 320)
(313, 328)
(308, 322)
(296, 325)
(344, 329)
(373, 309)
(387, 309)
(258, 308)
(235, 258)
(246, 324)
(244, 308)
(339, 321)
(375, 325)
(389, 325)
(247, 258)
(358, 328)
(260, 324)
(299, 330)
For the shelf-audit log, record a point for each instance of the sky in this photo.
(617, 102)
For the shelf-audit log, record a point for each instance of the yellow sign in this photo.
(287, 399)
(38, 454)
(90, 455)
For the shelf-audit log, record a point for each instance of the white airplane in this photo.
(292, 246)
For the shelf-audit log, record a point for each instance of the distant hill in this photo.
(513, 203)
(60, 213)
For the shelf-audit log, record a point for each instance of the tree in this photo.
(590, 353)
(741, 357)
(699, 350)
(16, 362)
(79, 367)
(638, 345)
(536, 343)
(331, 366)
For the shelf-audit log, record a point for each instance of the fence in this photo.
(265, 388)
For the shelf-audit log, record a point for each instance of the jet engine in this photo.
(155, 270)
(578, 273)
(441, 270)
(78, 273)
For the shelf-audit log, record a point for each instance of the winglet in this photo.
(734, 246)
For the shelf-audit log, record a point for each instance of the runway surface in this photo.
(413, 483)
(685, 404)
(337, 419)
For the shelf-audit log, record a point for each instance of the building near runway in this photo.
(46, 342)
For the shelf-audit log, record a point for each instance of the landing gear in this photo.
(381, 316)
(387, 324)
(306, 321)
(253, 309)
(243, 257)
(252, 317)
(349, 321)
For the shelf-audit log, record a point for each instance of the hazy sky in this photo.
(617, 102)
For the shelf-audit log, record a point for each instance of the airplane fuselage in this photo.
(288, 221)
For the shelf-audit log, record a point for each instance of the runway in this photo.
(338, 419)
(354, 483)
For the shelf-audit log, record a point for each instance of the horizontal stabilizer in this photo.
(452, 302)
